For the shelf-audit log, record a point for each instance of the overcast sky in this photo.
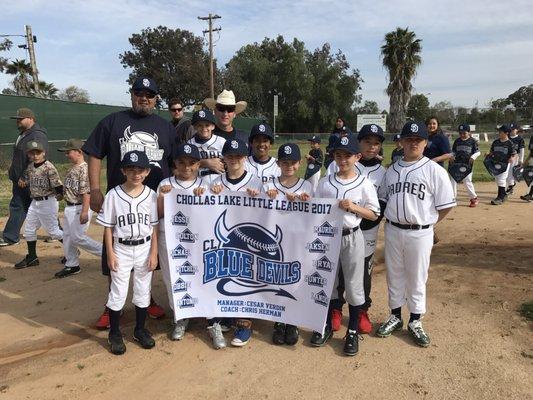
(473, 50)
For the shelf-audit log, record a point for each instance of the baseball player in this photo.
(397, 152)
(518, 158)
(501, 151)
(45, 189)
(314, 162)
(186, 165)
(128, 215)
(77, 214)
(465, 150)
(209, 145)
(529, 196)
(358, 197)
(260, 163)
(238, 179)
(292, 188)
(419, 194)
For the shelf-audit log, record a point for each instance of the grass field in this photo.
(480, 173)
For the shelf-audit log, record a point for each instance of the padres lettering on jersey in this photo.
(301, 186)
(212, 148)
(266, 171)
(247, 181)
(76, 183)
(130, 217)
(42, 179)
(415, 192)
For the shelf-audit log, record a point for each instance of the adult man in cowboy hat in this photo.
(226, 108)
(20, 201)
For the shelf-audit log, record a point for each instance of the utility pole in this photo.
(210, 19)
(30, 39)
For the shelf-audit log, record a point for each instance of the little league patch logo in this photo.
(180, 219)
(320, 298)
(317, 246)
(326, 229)
(187, 269)
(187, 301)
(323, 264)
(180, 252)
(316, 279)
(180, 286)
(187, 236)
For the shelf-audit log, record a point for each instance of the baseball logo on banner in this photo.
(232, 255)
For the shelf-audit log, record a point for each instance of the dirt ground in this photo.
(481, 271)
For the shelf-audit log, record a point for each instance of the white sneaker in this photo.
(216, 335)
(179, 329)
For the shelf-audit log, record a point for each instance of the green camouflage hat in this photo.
(33, 145)
(72, 144)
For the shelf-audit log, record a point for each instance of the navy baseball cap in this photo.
(203, 115)
(262, 130)
(505, 128)
(396, 137)
(145, 83)
(348, 144)
(514, 125)
(464, 128)
(289, 151)
(315, 139)
(235, 147)
(135, 158)
(371, 130)
(186, 150)
(414, 129)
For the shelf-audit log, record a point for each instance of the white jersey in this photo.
(301, 186)
(359, 189)
(248, 181)
(131, 218)
(416, 191)
(374, 173)
(211, 148)
(266, 171)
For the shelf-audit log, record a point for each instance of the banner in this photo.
(231, 255)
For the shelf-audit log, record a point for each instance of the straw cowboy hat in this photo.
(226, 98)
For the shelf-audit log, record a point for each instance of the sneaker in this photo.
(179, 329)
(364, 326)
(417, 332)
(351, 343)
(243, 333)
(473, 202)
(225, 324)
(336, 319)
(278, 336)
(27, 262)
(291, 335)
(319, 340)
(496, 202)
(117, 344)
(103, 322)
(527, 197)
(4, 243)
(144, 337)
(216, 335)
(155, 311)
(393, 323)
(67, 271)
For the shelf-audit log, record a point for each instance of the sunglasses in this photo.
(222, 108)
(143, 93)
(176, 109)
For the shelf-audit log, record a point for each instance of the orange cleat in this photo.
(336, 319)
(103, 322)
(155, 311)
(364, 326)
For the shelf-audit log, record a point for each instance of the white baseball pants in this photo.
(136, 258)
(42, 213)
(75, 237)
(510, 177)
(501, 179)
(371, 237)
(163, 262)
(407, 258)
(468, 185)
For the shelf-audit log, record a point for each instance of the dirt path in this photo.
(482, 270)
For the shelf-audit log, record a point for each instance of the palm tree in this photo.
(48, 90)
(401, 58)
(22, 83)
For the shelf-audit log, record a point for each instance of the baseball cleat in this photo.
(144, 337)
(116, 343)
(510, 190)
(27, 262)
(49, 239)
(278, 336)
(225, 324)
(319, 340)
(364, 325)
(216, 336)
(527, 198)
(336, 319)
(179, 329)
(155, 311)
(4, 243)
(103, 322)
(496, 202)
(417, 332)
(67, 271)
(473, 202)
(243, 333)
(291, 335)
(351, 343)
(393, 323)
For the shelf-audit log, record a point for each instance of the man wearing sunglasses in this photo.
(184, 129)
(135, 129)
(226, 108)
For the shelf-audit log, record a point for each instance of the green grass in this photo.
(526, 310)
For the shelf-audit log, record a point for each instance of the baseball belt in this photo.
(137, 242)
(412, 227)
(347, 231)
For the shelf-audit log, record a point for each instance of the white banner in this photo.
(376, 119)
(232, 255)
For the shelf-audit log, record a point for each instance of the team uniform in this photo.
(502, 151)
(246, 181)
(529, 196)
(75, 234)
(44, 182)
(464, 151)
(211, 148)
(396, 154)
(312, 172)
(519, 146)
(300, 187)
(266, 171)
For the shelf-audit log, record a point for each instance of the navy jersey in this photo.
(314, 166)
(125, 131)
(518, 143)
(463, 149)
(396, 154)
(438, 145)
(502, 151)
(234, 134)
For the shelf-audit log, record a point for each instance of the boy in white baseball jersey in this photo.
(518, 159)
(238, 179)
(358, 197)
(186, 165)
(419, 194)
(465, 151)
(209, 145)
(314, 160)
(45, 189)
(129, 214)
(260, 163)
(501, 153)
(288, 186)
(77, 214)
